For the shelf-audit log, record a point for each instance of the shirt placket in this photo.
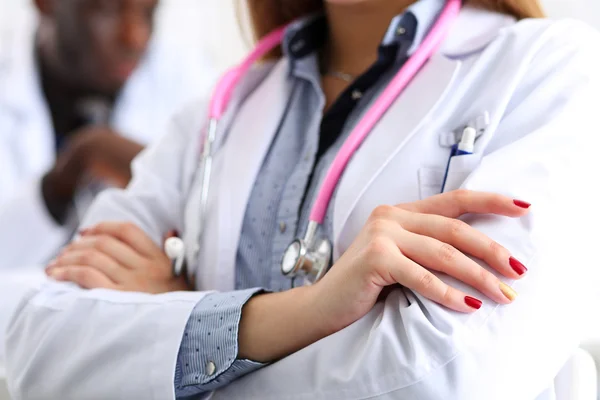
(289, 207)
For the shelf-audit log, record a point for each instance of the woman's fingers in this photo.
(442, 257)
(90, 258)
(85, 277)
(459, 202)
(109, 245)
(413, 276)
(126, 232)
(465, 238)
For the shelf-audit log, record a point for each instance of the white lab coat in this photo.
(160, 86)
(538, 80)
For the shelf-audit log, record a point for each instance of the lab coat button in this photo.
(282, 227)
(210, 368)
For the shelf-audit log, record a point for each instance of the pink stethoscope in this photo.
(309, 257)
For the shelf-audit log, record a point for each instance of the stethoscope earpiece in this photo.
(175, 250)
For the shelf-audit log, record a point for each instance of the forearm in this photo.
(276, 325)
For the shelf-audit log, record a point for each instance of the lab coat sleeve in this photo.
(67, 343)
(28, 233)
(545, 151)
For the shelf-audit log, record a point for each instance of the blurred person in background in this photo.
(80, 96)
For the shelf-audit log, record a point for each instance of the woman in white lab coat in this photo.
(452, 329)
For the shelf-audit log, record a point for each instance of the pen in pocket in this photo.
(464, 147)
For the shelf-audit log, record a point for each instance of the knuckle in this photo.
(376, 249)
(102, 242)
(460, 197)
(447, 296)
(128, 229)
(80, 275)
(485, 277)
(382, 212)
(496, 250)
(461, 194)
(86, 258)
(426, 281)
(377, 227)
(456, 228)
(100, 226)
(447, 253)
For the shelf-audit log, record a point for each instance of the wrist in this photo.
(344, 296)
(275, 325)
(315, 302)
(57, 195)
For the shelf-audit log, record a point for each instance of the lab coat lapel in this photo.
(250, 136)
(411, 111)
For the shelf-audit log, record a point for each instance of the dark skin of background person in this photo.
(88, 48)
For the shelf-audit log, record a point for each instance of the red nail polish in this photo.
(473, 302)
(517, 266)
(521, 203)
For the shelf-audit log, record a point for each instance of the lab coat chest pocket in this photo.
(460, 167)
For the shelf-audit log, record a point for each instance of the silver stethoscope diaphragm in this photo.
(307, 258)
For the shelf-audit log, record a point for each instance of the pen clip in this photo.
(480, 124)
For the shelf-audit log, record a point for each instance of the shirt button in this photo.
(282, 227)
(400, 31)
(210, 368)
(356, 94)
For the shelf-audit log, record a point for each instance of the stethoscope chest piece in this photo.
(307, 258)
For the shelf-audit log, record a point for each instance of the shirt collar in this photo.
(306, 35)
(425, 12)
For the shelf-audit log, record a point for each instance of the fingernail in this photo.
(517, 266)
(508, 292)
(473, 302)
(51, 263)
(521, 203)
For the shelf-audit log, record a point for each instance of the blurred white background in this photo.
(209, 28)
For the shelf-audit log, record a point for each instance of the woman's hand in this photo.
(116, 255)
(401, 244)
